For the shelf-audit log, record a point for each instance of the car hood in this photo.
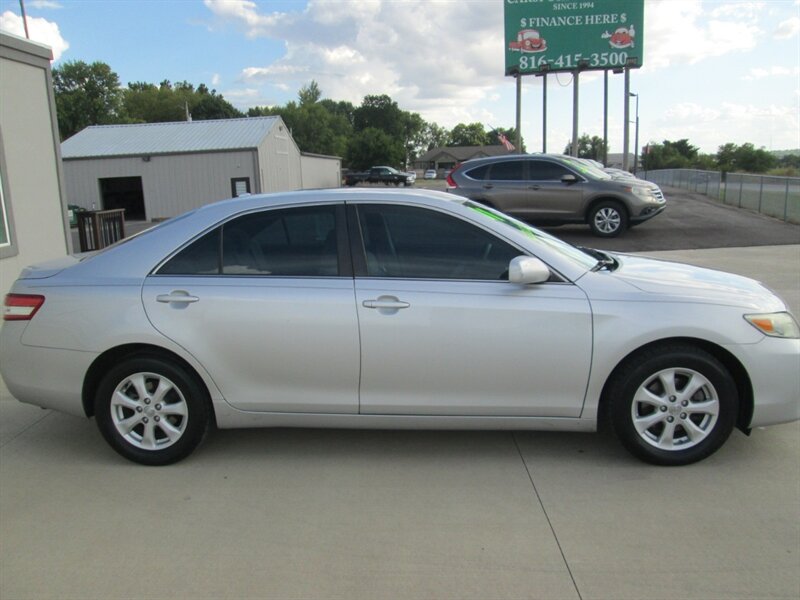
(697, 284)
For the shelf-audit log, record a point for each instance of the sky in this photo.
(714, 71)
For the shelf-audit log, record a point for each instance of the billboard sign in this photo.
(564, 35)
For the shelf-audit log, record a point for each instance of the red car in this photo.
(622, 38)
(528, 40)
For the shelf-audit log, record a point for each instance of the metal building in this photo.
(159, 170)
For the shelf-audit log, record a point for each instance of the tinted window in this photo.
(507, 171)
(417, 243)
(291, 242)
(199, 258)
(478, 173)
(542, 170)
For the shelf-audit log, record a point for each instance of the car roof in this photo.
(134, 258)
(506, 157)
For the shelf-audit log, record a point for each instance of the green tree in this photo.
(683, 148)
(755, 160)
(668, 155)
(208, 104)
(342, 108)
(472, 134)
(318, 126)
(434, 136)
(379, 112)
(372, 146)
(317, 130)
(592, 147)
(86, 94)
(413, 137)
(147, 103)
(309, 94)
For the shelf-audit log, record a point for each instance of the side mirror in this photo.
(569, 178)
(527, 269)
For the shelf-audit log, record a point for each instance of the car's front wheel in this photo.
(608, 218)
(673, 405)
(152, 410)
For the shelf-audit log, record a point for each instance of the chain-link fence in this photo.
(773, 196)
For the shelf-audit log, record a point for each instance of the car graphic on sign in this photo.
(623, 37)
(528, 40)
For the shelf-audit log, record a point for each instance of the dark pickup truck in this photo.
(385, 175)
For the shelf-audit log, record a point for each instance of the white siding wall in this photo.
(31, 181)
(321, 172)
(279, 161)
(171, 184)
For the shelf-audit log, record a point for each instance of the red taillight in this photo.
(21, 307)
(450, 181)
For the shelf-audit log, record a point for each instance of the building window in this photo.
(240, 186)
(8, 246)
(5, 237)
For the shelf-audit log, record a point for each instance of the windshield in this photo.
(587, 169)
(565, 249)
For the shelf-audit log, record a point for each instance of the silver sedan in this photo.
(393, 309)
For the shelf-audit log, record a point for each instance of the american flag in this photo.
(504, 140)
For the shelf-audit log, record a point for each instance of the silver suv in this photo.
(556, 189)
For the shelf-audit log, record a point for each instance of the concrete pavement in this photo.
(380, 514)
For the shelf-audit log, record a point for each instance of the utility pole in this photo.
(519, 113)
(605, 117)
(626, 134)
(636, 143)
(575, 79)
(24, 18)
(544, 113)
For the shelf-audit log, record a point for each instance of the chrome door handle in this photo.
(488, 186)
(382, 302)
(533, 187)
(177, 296)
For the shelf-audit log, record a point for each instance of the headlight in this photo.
(780, 324)
(644, 193)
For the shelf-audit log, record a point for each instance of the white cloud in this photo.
(680, 32)
(788, 28)
(738, 10)
(41, 30)
(215, 79)
(45, 4)
(709, 128)
(693, 112)
(774, 71)
(445, 61)
(440, 58)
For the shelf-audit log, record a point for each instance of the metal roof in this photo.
(100, 141)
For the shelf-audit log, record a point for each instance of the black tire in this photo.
(164, 408)
(677, 428)
(608, 218)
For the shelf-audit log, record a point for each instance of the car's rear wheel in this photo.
(152, 410)
(608, 219)
(673, 405)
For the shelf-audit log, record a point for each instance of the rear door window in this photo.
(478, 173)
(296, 242)
(511, 170)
